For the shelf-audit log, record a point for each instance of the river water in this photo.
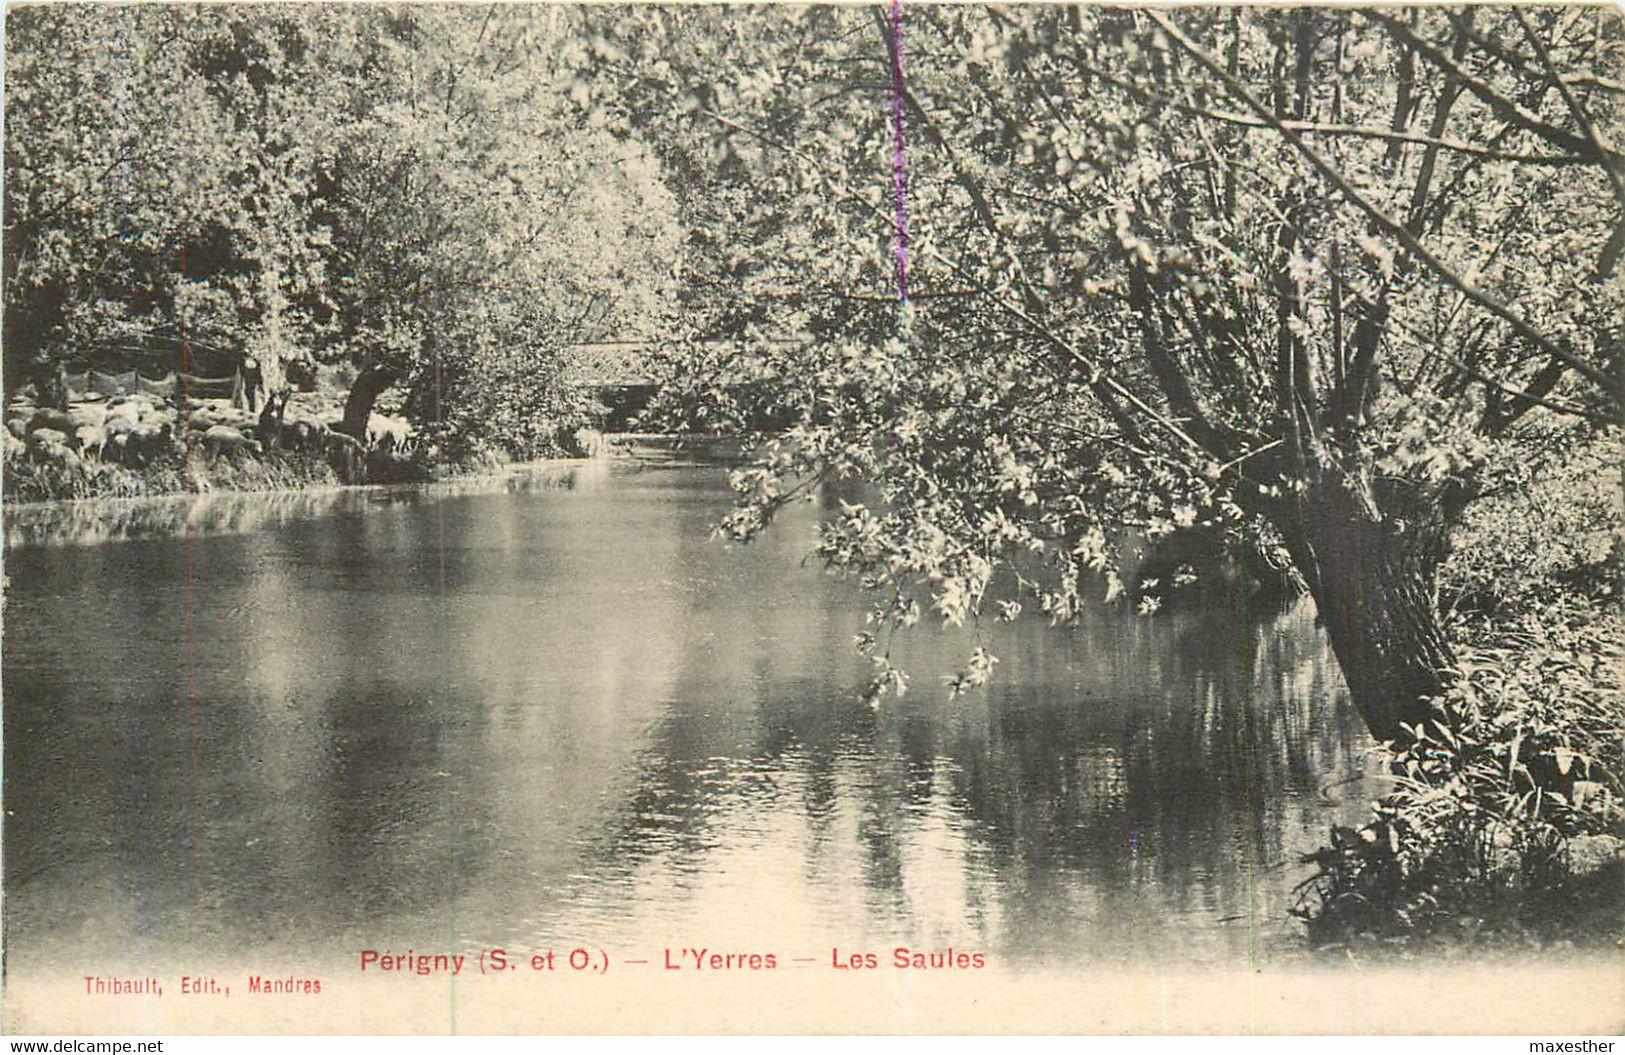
(550, 711)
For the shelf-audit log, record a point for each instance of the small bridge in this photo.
(623, 375)
(619, 373)
(608, 364)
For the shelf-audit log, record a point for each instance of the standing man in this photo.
(252, 381)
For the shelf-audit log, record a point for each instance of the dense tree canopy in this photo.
(1321, 277)
(411, 191)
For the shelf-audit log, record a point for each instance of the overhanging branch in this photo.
(1398, 231)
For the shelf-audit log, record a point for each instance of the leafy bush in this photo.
(1505, 809)
(711, 387)
(507, 399)
(1549, 534)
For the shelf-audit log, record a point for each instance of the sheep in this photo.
(91, 414)
(305, 436)
(222, 439)
(88, 437)
(236, 418)
(124, 417)
(147, 442)
(55, 420)
(127, 415)
(121, 426)
(51, 445)
(388, 433)
(62, 455)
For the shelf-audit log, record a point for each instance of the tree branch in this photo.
(1581, 118)
(1506, 108)
(1170, 376)
(1097, 376)
(1400, 137)
(1393, 227)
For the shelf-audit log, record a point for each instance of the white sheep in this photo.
(91, 414)
(388, 433)
(90, 437)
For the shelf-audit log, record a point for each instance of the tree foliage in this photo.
(410, 190)
(1319, 277)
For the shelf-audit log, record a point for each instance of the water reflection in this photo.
(560, 714)
(93, 521)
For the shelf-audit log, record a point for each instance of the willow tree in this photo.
(1318, 276)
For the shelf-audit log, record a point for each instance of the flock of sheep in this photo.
(138, 429)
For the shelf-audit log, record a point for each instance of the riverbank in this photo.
(28, 479)
(129, 438)
(88, 455)
(34, 480)
(226, 498)
(195, 514)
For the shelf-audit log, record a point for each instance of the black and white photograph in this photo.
(878, 518)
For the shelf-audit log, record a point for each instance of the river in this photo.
(551, 711)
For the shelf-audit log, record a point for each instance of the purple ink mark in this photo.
(897, 146)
